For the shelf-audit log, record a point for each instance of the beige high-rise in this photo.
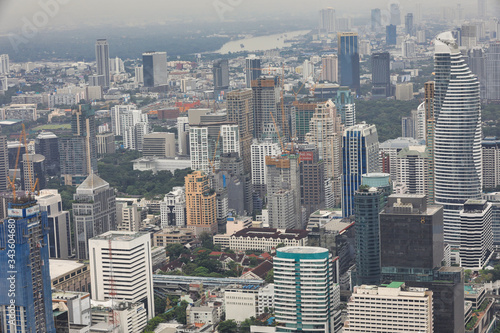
(201, 208)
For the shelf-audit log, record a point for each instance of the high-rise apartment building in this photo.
(312, 177)
(60, 243)
(26, 297)
(102, 60)
(201, 214)
(4, 163)
(4, 64)
(360, 155)
(135, 125)
(348, 60)
(154, 66)
(252, 70)
(266, 105)
(283, 191)
(491, 162)
(173, 208)
(220, 71)
(306, 296)
(78, 152)
(121, 269)
(183, 135)
(430, 126)
(105, 144)
(476, 235)
(457, 138)
(94, 212)
(493, 72)
(381, 75)
(301, 114)
(33, 174)
(260, 150)
(116, 114)
(240, 111)
(330, 65)
(327, 21)
(129, 215)
(346, 107)
(412, 169)
(392, 307)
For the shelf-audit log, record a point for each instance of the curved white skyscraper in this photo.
(457, 141)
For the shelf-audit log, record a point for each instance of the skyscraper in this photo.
(477, 65)
(493, 72)
(376, 19)
(348, 59)
(240, 111)
(430, 127)
(306, 297)
(4, 163)
(135, 125)
(220, 71)
(360, 155)
(4, 64)
(457, 139)
(78, 152)
(412, 169)
(201, 215)
(266, 105)
(482, 8)
(252, 70)
(47, 144)
(26, 297)
(395, 14)
(327, 20)
(260, 150)
(390, 35)
(102, 60)
(154, 66)
(94, 212)
(330, 67)
(381, 74)
(409, 28)
(130, 268)
(346, 107)
(491, 162)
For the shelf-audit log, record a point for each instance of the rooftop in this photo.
(60, 267)
(122, 236)
(303, 249)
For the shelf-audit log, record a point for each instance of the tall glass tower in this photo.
(457, 138)
(306, 297)
(26, 296)
(349, 59)
(102, 59)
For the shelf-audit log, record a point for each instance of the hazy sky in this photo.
(14, 14)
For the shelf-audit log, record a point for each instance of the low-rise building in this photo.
(196, 315)
(69, 275)
(263, 239)
(173, 235)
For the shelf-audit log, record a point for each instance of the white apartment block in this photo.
(201, 315)
(173, 208)
(199, 150)
(4, 64)
(129, 216)
(131, 317)
(130, 268)
(243, 302)
(412, 169)
(261, 149)
(134, 126)
(230, 135)
(183, 134)
(116, 112)
(392, 148)
(390, 308)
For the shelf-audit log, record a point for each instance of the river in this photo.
(261, 43)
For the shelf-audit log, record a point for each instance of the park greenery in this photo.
(117, 170)
(178, 313)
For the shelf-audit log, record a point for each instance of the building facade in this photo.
(201, 208)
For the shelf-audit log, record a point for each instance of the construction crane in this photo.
(295, 93)
(277, 132)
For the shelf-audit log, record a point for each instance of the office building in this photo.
(240, 111)
(305, 295)
(429, 137)
(127, 275)
(183, 135)
(390, 35)
(26, 297)
(476, 235)
(409, 27)
(468, 35)
(220, 72)
(105, 144)
(47, 144)
(391, 148)
(330, 65)
(94, 212)
(404, 91)
(139, 75)
(201, 214)
(78, 153)
(60, 244)
(135, 125)
(395, 14)
(33, 174)
(172, 235)
(243, 301)
(346, 107)
(283, 191)
(381, 75)
(493, 72)
(173, 208)
(102, 61)
(457, 139)
(360, 155)
(154, 66)
(301, 114)
(260, 150)
(4, 163)
(327, 21)
(159, 145)
(312, 177)
(381, 309)
(268, 118)
(414, 125)
(376, 19)
(369, 200)
(477, 64)
(491, 162)
(403, 252)
(4, 64)
(348, 60)
(494, 199)
(412, 169)
(252, 70)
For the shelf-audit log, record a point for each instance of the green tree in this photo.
(175, 250)
(227, 326)
(270, 276)
(160, 305)
(206, 240)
